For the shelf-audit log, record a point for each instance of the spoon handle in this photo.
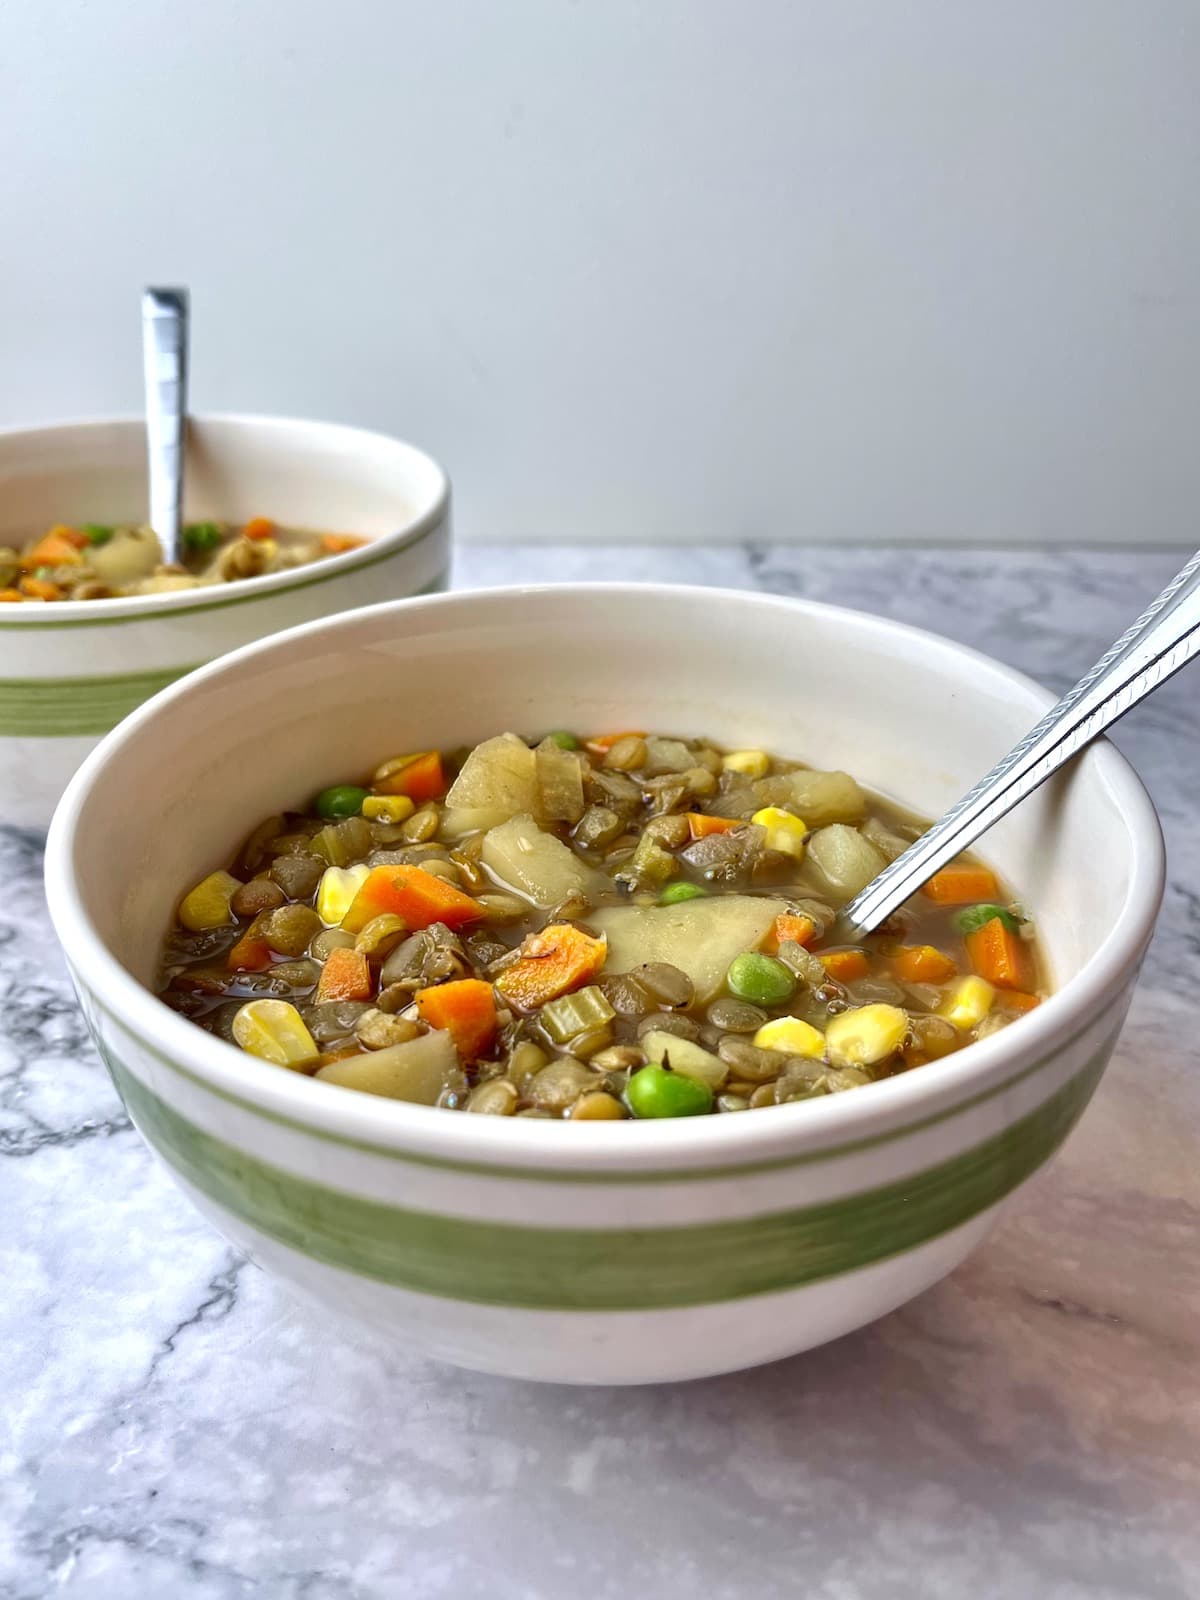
(1162, 640)
(164, 354)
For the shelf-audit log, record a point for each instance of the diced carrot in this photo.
(601, 743)
(553, 962)
(790, 928)
(466, 1009)
(40, 589)
(411, 893)
(251, 953)
(58, 548)
(336, 544)
(921, 963)
(845, 965)
(958, 885)
(346, 975)
(418, 776)
(7, 596)
(259, 528)
(1015, 1000)
(75, 536)
(702, 825)
(999, 955)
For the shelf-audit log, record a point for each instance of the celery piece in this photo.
(576, 1013)
(650, 865)
(340, 843)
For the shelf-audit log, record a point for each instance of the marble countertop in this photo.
(171, 1425)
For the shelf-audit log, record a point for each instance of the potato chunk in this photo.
(536, 864)
(499, 775)
(419, 1070)
(560, 783)
(700, 937)
(845, 861)
(823, 797)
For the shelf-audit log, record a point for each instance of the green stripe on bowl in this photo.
(600, 1269)
(92, 612)
(55, 708)
(52, 708)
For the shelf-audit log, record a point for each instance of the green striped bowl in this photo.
(70, 672)
(597, 1252)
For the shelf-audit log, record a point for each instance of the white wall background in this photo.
(673, 269)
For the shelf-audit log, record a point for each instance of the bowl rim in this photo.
(533, 1146)
(66, 613)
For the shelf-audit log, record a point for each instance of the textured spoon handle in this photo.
(1164, 638)
(165, 352)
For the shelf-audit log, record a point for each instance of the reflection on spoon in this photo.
(164, 354)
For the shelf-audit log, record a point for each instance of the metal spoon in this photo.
(1164, 638)
(164, 355)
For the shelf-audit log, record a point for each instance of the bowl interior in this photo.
(914, 717)
(309, 474)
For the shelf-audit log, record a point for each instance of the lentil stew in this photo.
(628, 926)
(99, 562)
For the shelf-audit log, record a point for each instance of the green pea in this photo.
(202, 535)
(564, 741)
(98, 533)
(659, 1092)
(343, 800)
(675, 892)
(760, 979)
(972, 918)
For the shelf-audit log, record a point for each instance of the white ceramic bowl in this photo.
(69, 671)
(598, 1252)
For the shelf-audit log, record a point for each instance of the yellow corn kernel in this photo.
(968, 1003)
(749, 763)
(387, 808)
(784, 831)
(336, 892)
(793, 1037)
(274, 1031)
(865, 1035)
(207, 905)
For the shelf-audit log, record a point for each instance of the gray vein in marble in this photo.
(173, 1426)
